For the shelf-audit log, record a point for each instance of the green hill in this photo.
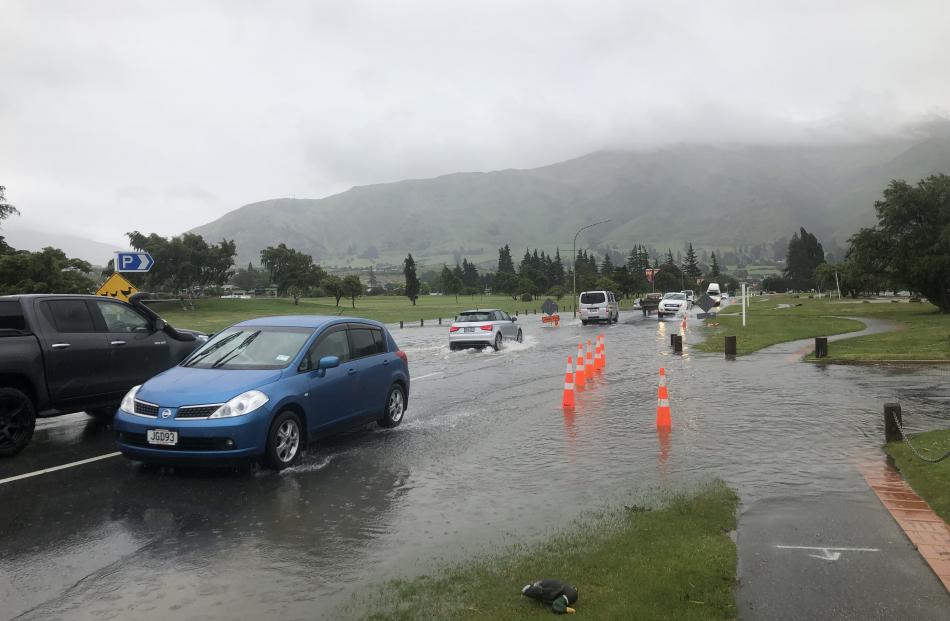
(713, 196)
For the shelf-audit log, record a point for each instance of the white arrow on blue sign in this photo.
(133, 261)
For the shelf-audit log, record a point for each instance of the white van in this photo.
(713, 292)
(599, 306)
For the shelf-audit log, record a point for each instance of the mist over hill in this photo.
(712, 196)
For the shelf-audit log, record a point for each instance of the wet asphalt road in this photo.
(485, 457)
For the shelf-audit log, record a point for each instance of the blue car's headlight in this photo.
(128, 401)
(244, 403)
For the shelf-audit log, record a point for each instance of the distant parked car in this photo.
(262, 389)
(690, 297)
(672, 303)
(598, 306)
(488, 327)
(73, 353)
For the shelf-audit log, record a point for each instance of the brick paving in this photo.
(925, 529)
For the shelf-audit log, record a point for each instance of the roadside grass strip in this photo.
(931, 481)
(922, 334)
(764, 330)
(213, 314)
(673, 562)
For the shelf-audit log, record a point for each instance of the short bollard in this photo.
(730, 346)
(677, 344)
(400, 325)
(516, 313)
(673, 340)
(892, 422)
(440, 321)
(821, 347)
(422, 323)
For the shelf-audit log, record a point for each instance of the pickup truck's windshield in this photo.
(11, 318)
(258, 347)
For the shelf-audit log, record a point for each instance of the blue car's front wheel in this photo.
(284, 441)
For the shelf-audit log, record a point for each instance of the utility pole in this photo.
(574, 259)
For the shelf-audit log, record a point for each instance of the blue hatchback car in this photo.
(262, 389)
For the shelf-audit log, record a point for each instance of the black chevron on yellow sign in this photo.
(117, 287)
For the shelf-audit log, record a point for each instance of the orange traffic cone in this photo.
(568, 400)
(600, 352)
(663, 404)
(580, 375)
(589, 365)
(603, 352)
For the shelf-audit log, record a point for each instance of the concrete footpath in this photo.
(833, 556)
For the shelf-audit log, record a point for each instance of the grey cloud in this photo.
(120, 115)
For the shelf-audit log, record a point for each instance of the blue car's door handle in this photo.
(351, 372)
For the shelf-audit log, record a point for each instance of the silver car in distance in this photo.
(487, 327)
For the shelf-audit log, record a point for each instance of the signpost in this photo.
(117, 287)
(138, 262)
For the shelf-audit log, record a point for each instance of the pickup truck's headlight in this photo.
(240, 405)
(128, 401)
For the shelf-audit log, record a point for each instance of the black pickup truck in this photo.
(72, 353)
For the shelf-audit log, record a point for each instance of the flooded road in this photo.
(486, 457)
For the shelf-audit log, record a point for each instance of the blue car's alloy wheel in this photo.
(395, 407)
(284, 441)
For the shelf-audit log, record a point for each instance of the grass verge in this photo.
(213, 314)
(931, 481)
(676, 562)
(922, 333)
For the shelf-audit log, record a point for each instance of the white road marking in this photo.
(427, 375)
(828, 554)
(37, 473)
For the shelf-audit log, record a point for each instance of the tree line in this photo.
(908, 249)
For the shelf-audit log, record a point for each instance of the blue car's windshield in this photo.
(257, 347)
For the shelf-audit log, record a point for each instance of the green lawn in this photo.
(931, 481)
(922, 334)
(676, 562)
(213, 314)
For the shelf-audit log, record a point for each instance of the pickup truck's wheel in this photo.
(17, 421)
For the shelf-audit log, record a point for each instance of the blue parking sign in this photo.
(133, 261)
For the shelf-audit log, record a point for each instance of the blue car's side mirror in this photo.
(329, 362)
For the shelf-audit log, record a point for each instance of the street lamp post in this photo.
(574, 259)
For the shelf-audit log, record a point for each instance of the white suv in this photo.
(599, 306)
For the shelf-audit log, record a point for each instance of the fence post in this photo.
(730, 346)
(400, 325)
(422, 323)
(892, 411)
(821, 347)
(677, 344)
(440, 321)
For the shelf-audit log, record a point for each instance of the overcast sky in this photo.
(161, 116)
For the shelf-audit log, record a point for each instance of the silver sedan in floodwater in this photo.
(487, 327)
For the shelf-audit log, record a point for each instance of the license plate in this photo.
(468, 329)
(162, 436)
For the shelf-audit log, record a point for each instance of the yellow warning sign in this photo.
(117, 287)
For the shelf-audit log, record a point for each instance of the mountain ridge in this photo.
(712, 196)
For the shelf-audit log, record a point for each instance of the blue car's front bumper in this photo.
(201, 440)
